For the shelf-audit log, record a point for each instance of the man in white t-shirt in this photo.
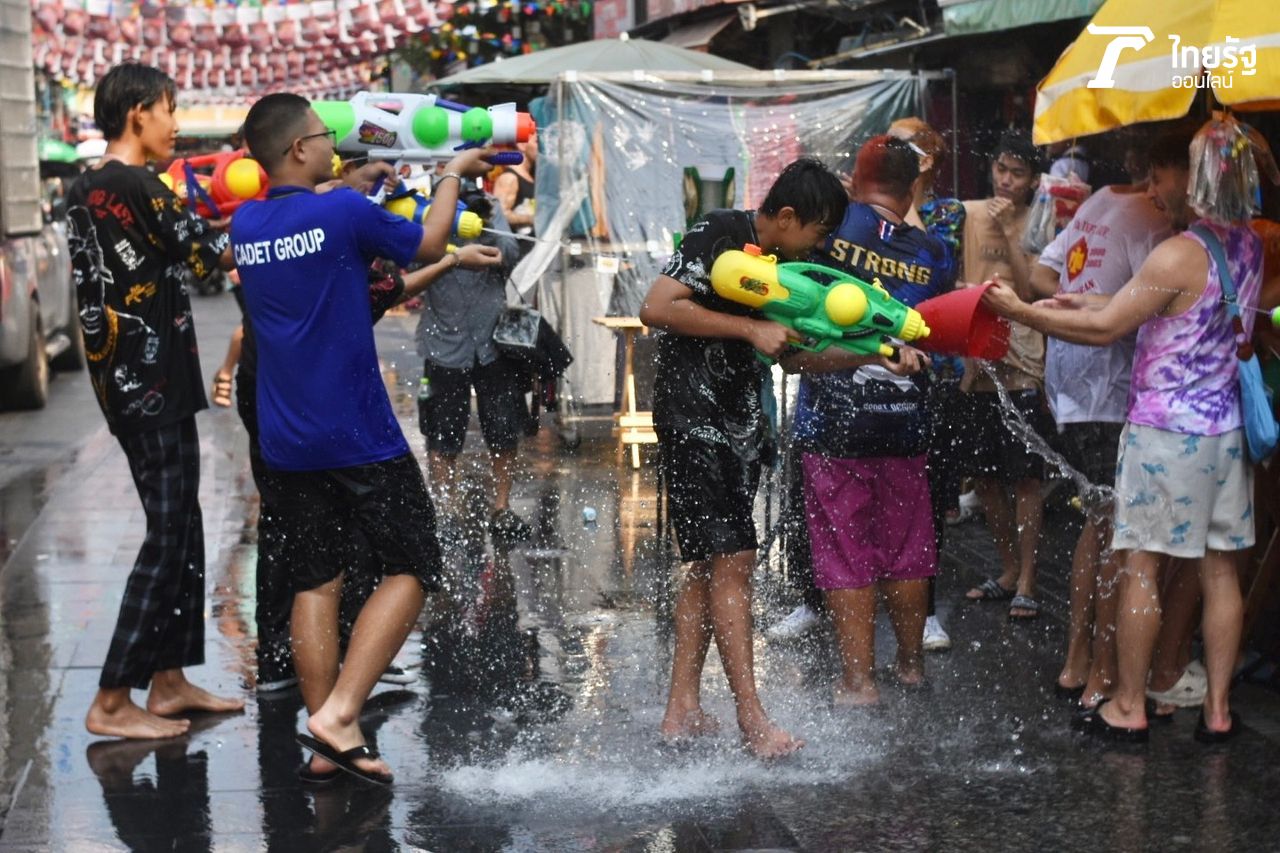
(1088, 387)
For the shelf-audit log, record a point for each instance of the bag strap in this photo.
(1214, 246)
(1244, 349)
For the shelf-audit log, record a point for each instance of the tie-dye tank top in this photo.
(1185, 378)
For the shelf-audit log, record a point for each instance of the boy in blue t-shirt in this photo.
(863, 432)
(325, 422)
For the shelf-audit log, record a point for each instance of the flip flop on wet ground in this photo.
(1095, 725)
(1206, 735)
(1025, 603)
(989, 590)
(346, 759)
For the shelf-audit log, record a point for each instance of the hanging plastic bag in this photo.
(1055, 202)
(1226, 157)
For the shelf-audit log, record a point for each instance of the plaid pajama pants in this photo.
(161, 621)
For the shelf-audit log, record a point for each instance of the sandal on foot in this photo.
(346, 760)
(1095, 725)
(309, 777)
(1024, 602)
(990, 590)
(1206, 735)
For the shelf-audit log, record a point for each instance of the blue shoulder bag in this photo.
(1260, 427)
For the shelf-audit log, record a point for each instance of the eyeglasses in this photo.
(332, 134)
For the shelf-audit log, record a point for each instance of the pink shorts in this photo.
(869, 520)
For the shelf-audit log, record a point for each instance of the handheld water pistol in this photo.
(826, 306)
(417, 131)
(214, 185)
(414, 206)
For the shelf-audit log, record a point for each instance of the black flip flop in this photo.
(1206, 735)
(309, 777)
(346, 760)
(1095, 725)
(991, 590)
(1024, 602)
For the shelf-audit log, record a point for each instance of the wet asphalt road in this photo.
(531, 723)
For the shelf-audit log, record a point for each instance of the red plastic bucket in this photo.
(960, 325)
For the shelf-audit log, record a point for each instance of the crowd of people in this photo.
(1136, 388)
(1136, 394)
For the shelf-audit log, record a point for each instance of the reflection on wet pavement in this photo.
(533, 722)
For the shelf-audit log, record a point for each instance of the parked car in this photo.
(39, 323)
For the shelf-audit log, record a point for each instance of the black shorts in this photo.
(989, 449)
(711, 492)
(1092, 449)
(443, 416)
(337, 517)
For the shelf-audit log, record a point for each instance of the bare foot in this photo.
(182, 696)
(127, 720)
(866, 696)
(765, 740)
(677, 725)
(343, 737)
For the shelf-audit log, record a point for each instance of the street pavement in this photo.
(541, 681)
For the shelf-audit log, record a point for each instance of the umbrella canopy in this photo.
(1138, 62)
(591, 57)
(57, 151)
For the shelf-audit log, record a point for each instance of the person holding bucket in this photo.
(1184, 480)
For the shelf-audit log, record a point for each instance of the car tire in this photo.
(26, 385)
(72, 358)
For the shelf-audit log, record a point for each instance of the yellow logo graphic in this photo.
(139, 292)
(1076, 257)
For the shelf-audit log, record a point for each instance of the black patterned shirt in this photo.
(134, 247)
(708, 389)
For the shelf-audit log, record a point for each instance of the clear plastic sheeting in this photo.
(611, 178)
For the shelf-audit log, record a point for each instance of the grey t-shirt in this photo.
(462, 306)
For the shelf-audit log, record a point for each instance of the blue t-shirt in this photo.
(302, 259)
(869, 412)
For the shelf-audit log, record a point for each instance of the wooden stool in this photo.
(635, 427)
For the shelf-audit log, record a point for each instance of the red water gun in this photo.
(214, 185)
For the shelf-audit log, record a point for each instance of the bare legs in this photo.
(853, 613)
(1139, 625)
(1085, 568)
(444, 478)
(1016, 531)
(1223, 623)
(334, 698)
(715, 603)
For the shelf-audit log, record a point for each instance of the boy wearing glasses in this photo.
(326, 426)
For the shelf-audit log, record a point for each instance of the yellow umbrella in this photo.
(1138, 61)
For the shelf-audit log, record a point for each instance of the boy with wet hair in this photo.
(325, 422)
(713, 435)
(134, 247)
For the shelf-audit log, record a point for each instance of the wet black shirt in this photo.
(134, 247)
(709, 388)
